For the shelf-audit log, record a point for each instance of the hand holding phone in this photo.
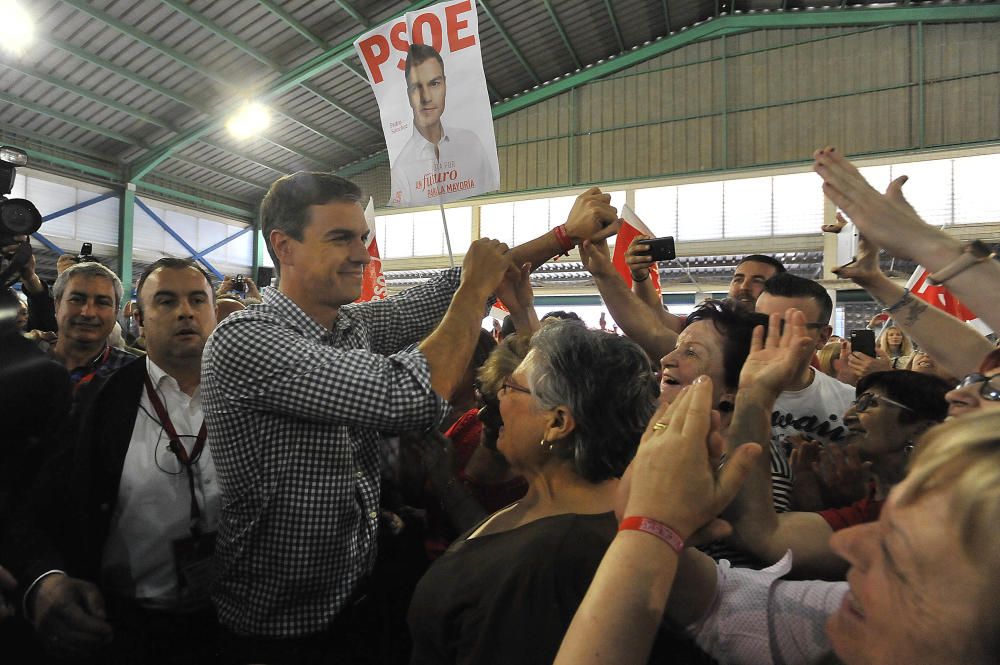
(660, 249)
(863, 341)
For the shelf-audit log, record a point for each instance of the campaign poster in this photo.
(426, 69)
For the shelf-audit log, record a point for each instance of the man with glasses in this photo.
(813, 404)
(115, 556)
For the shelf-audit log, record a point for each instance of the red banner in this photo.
(632, 226)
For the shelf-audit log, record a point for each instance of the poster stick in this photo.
(447, 237)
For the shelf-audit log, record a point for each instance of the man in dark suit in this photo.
(116, 560)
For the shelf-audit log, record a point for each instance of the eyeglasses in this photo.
(991, 385)
(508, 386)
(867, 400)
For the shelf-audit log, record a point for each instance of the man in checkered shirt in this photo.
(296, 391)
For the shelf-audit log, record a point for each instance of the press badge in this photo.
(195, 564)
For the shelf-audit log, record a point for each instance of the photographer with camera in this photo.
(41, 309)
(242, 286)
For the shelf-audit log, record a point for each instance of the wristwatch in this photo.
(973, 253)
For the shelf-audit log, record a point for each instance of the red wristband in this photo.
(563, 238)
(658, 529)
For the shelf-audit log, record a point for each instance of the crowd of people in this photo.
(290, 476)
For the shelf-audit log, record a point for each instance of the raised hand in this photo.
(775, 362)
(638, 262)
(886, 219)
(515, 289)
(675, 477)
(592, 217)
(485, 264)
(842, 473)
(596, 257)
(864, 268)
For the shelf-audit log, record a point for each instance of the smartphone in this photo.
(239, 285)
(863, 341)
(661, 249)
(87, 249)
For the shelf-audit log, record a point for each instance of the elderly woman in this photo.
(572, 412)
(922, 587)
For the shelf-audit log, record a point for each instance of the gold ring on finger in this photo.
(658, 427)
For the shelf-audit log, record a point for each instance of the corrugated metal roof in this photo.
(111, 82)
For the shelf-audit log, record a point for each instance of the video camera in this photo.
(18, 217)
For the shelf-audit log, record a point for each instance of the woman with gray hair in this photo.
(506, 590)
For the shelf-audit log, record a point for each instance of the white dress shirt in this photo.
(154, 499)
(459, 170)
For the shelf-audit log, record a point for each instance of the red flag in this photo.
(632, 226)
(373, 281)
(938, 296)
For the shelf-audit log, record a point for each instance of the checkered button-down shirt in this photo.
(294, 411)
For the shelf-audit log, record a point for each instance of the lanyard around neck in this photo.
(176, 447)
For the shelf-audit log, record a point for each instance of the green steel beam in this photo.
(56, 160)
(126, 228)
(69, 119)
(726, 25)
(144, 39)
(492, 91)
(155, 87)
(87, 94)
(339, 106)
(121, 71)
(277, 168)
(614, 26)
(242, 214)
(562, 33)
(294, 23)
(41, 158)
(258, 250)
(510, 40)
(190, 63)
(241, 44)
(215, 169)
(315, 159)
(731, 24)
(229, 37)
(354, 70)
(355, 14)
(285, 82)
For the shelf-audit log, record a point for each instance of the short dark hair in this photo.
(736, 324)
(172, 263)
(418, 54)
(787, 285)
(286, 205)
(924, 393)
(562, 316)
(764, 258)
(608, 385)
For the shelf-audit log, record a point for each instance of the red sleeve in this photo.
(464, 435)
(859, 512)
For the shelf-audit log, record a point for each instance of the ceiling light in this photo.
(17, 30)
(250, 120)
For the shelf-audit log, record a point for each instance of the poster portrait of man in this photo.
(426, 70)
(435, 156)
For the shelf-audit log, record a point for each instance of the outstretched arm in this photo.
(636, 319)
(592, 216)
(673, 480)
(950, 342)
(640, 265)
(889, 221)
(773, 364)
